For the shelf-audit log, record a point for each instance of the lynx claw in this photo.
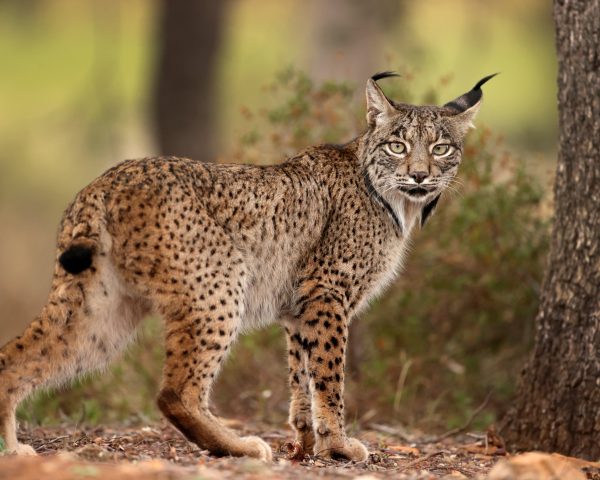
(258, 448)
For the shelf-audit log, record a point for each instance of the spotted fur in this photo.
(220, 249)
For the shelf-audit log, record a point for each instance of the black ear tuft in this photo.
(380, 75)
(378, 105)
(469, 99)
(479, 84)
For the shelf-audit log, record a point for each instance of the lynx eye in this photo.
(441, 149)
(396, 148)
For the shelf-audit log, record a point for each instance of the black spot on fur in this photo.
(76, 259)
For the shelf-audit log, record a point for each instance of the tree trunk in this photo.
(347, 38)
(184, 96)
(557, 407)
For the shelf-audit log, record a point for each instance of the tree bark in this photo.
(557, 407)
(184, 97)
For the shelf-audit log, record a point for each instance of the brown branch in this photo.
(419, 460)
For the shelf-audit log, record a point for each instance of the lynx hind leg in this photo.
(300, 417)
(86, 321)
(198, 337)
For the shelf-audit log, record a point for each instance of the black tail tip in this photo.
(76, 259)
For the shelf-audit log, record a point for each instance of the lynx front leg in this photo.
(323, 335)
(300, 418)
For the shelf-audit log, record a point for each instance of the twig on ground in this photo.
(396, 432)
(54, 440)
(463, 428)
(419, 460)
(476, 436)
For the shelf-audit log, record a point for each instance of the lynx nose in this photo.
(419, 176)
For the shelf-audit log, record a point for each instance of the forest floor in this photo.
(159, 452)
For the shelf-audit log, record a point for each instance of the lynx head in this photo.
(412, 152)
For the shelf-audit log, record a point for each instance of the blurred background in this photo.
(86, 84)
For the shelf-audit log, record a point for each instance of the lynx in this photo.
(217, 250)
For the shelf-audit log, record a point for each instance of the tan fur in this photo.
(220, 249)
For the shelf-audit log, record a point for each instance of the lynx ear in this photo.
(378, 106)
(466, 106)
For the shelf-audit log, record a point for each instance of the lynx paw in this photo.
(341, 449)
(257, 448)
(302, 424)
(21, 449)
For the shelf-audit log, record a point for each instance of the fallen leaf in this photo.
(404, 449)
(293, 451)
(579, 462)
(487, 450)
(456, 474)
(536, 466)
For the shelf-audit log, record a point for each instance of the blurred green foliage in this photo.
(456, 325)
(77, 77)
(442, 47)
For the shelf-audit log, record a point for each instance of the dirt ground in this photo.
(160, 452)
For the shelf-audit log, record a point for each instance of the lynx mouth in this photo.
(417, 191)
